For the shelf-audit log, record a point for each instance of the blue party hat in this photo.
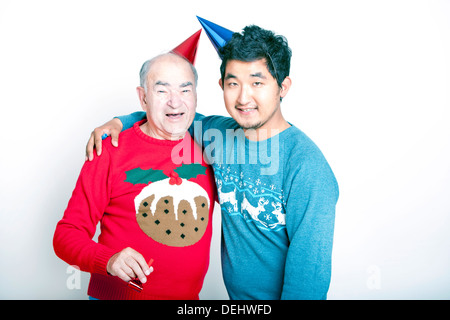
(218, 35)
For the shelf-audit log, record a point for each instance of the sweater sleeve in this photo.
(72, 240)
(310, 215)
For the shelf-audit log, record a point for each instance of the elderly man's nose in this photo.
(174, 100)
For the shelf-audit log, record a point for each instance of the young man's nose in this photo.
(244, 96)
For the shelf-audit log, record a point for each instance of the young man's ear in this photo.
(142, 97)
(285, 86)
(221, 83)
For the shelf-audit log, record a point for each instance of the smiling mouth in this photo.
(246, 110)
(174, 115)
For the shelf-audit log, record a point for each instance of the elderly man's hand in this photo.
(129, 264)
(112, 128)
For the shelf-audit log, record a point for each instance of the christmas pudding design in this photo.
(171, 210)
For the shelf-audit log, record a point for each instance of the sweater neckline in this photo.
(148, 139)
(276, 137)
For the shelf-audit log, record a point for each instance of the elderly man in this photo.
(150, 208)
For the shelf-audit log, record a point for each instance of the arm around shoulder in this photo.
(111, 128)
(129, 120)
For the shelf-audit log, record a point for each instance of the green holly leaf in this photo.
(188, 171)
(137, 176)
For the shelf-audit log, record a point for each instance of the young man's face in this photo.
(252, 95)
(171, 98)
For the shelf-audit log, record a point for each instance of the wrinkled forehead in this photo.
(170, 70)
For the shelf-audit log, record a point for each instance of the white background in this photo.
(371, 83)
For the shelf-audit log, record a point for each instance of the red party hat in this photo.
(188, 48)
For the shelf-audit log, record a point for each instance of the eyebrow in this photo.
(166, 84)
(160, 83)
(253, 75)
(258, 75)
(186, 84)
(230, 76)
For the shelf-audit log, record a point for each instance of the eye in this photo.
(232, 84)
(257, 84)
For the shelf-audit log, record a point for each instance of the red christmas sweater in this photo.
(155, 196)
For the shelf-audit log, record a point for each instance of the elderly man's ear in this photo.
(142, 97)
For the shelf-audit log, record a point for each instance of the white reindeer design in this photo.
(254, 211)
(281, 217)
(229, 197)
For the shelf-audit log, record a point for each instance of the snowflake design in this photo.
(272, 187)
(258, 182)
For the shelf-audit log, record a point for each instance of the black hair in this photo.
(255, 44)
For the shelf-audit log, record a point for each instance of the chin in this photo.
(179, 133)
(249, 125)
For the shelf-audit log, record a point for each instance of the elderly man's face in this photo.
(171, 98)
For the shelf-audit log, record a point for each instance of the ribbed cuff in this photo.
(101, 260)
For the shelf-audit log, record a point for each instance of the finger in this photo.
(90, 148)
(126, 269)
(139, 266)
(121, 274)
(130, 272)
(115, 138)
(146, 266)
(98, 141)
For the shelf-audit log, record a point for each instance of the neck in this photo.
(151, 132)
(274, 126)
